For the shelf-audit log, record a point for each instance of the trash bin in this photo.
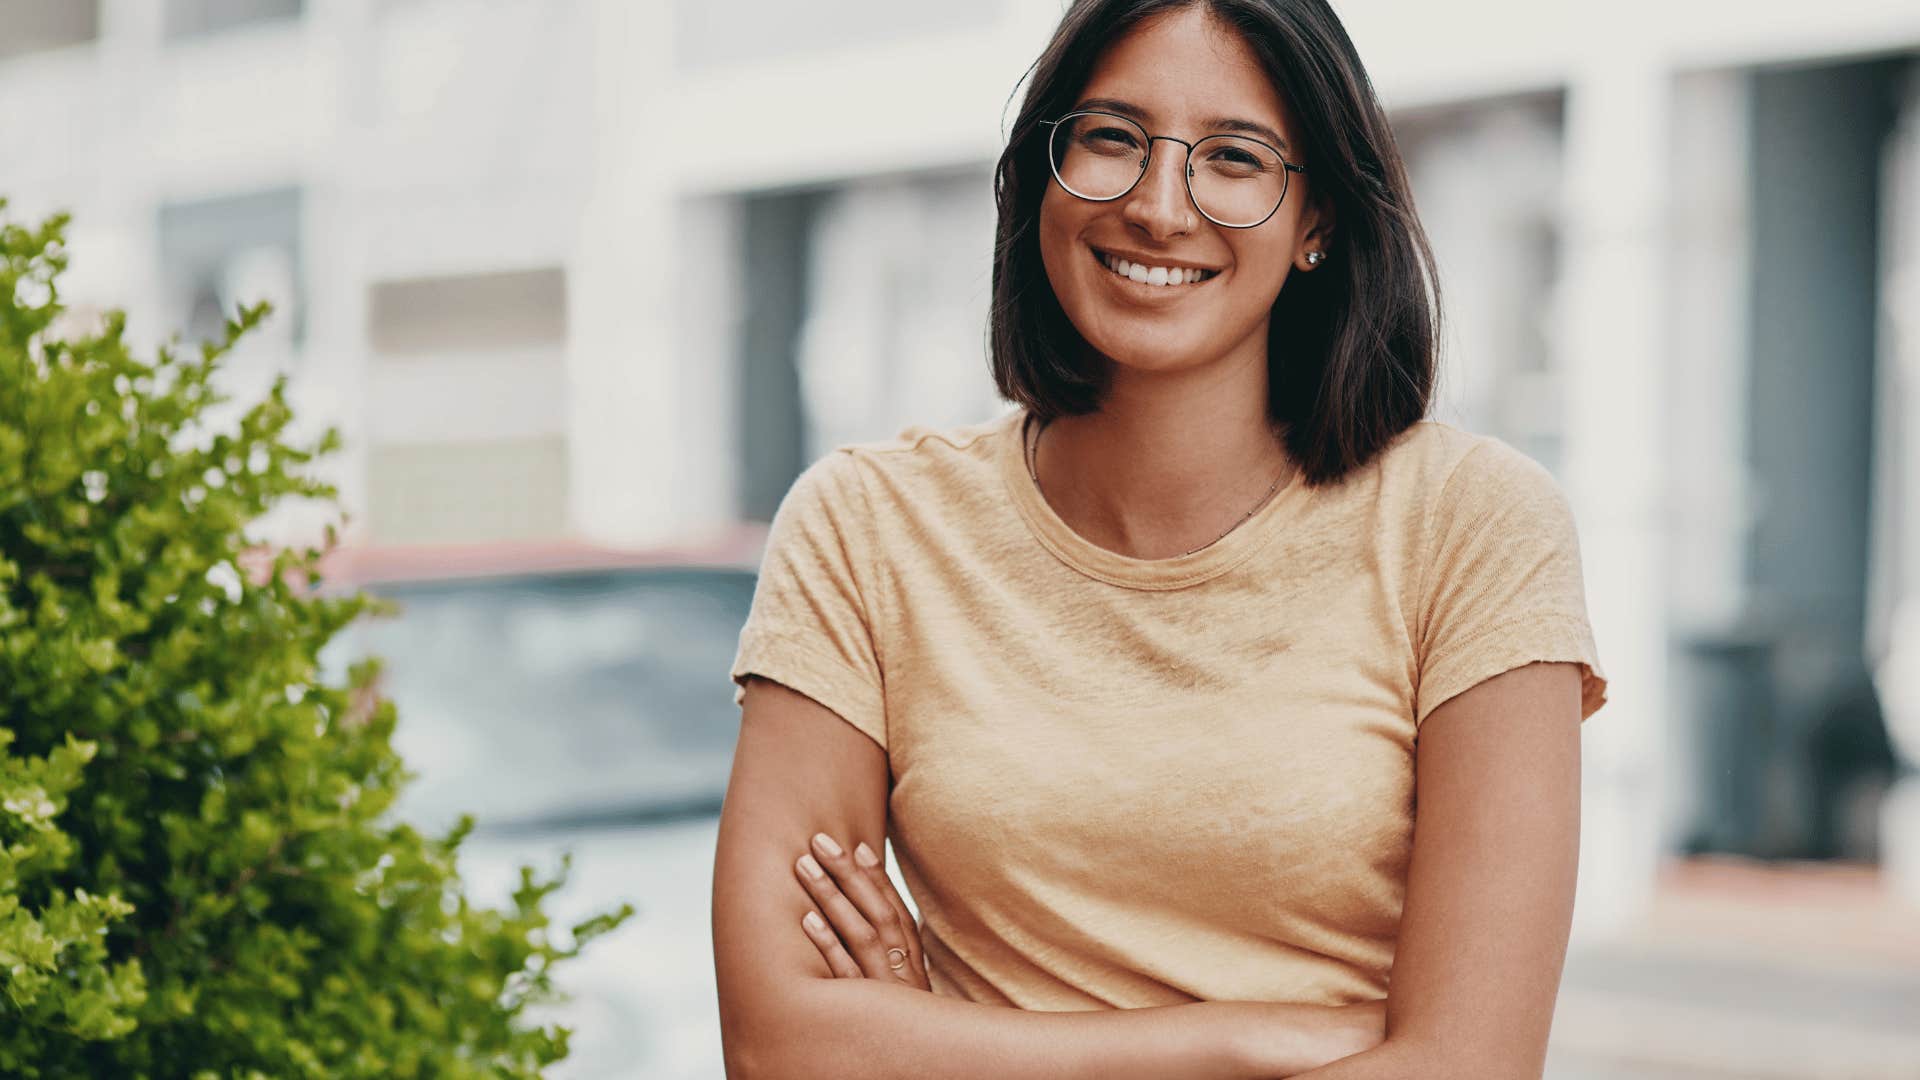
(1728, 709)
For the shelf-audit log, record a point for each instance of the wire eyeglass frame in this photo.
(1187, 166)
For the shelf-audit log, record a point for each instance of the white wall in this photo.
(439, 137)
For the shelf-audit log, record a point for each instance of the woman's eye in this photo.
(1238, 164)
(1111, 136)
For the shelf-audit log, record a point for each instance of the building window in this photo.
(468, 313)
(28, 26)
(1487, 177)
(218, 254)
(185, 18)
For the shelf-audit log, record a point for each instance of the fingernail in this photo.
(864, 855)
(814, 922)
(826, 844)
(811, 867)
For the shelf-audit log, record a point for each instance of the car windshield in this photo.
(540, 701)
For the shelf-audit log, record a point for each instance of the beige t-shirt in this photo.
(1125, 782)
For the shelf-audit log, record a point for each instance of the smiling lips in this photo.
(1153, 275)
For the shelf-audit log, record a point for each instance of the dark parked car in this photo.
(574, 700)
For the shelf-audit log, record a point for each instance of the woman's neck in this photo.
(1165, 468)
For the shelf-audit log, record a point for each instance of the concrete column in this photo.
(1893, 619)
(1609, 341)
(113, 232)
(634, 455)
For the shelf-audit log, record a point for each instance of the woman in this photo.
(1133, 677)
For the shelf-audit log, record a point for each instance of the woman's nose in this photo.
(1159, 202)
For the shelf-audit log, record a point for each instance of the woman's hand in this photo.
(1360, 1027)
(872, 935)
(1287, 1039)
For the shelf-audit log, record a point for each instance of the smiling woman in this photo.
(1144, 680)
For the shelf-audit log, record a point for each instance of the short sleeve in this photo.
(811, 626)
(1503, 585)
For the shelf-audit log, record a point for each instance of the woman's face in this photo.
(1180, 73)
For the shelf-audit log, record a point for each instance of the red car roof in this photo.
(736, 547)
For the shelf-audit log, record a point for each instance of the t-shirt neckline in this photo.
(1089, 558)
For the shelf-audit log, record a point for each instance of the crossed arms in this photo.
(1476, 969)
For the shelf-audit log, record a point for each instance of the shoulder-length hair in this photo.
(1351, 350)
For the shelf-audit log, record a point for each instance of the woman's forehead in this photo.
(1186, 68)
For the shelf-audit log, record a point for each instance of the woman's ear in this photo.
(1316, 243)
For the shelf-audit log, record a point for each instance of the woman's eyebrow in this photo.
(1226, 123)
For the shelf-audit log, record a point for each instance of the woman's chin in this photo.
(1144, 345)
(1146, 357)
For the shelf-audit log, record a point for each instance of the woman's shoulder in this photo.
(1436, 470)
(1434, 455)
(923, 456)
(926, 440)
(1448, 475)
(927, 484)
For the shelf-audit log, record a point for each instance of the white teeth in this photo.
(1152, 275)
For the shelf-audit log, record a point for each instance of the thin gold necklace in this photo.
(1033, 455)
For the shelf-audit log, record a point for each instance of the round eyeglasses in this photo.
(1236, 181)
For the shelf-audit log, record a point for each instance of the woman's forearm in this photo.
(864, 1029)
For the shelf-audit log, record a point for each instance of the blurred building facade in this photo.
(618, 270)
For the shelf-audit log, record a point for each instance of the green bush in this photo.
(196, 876)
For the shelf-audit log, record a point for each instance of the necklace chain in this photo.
(1033, 455)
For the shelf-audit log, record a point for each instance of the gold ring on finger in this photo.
(896, 958)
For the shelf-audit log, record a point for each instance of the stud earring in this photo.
(1314, 257)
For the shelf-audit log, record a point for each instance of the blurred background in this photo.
(586, 284)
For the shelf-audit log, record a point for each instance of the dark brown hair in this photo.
(1351, 351)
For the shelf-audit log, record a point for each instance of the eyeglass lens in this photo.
(1235, 181)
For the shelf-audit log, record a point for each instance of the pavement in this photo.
(1761, 971)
